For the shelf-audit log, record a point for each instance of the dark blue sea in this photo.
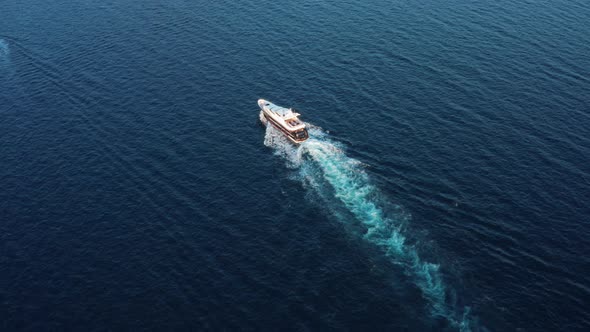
(445, 185)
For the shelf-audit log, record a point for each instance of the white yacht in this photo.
(284, 119)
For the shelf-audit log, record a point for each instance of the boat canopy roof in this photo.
(281, 111)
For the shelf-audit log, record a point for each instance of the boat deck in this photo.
(283, 112)
(286, 114)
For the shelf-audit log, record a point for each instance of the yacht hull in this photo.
(296, 135)
(269, 121)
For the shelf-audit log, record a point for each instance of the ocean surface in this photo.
(445, 185)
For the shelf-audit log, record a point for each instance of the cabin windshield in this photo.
(300, 134)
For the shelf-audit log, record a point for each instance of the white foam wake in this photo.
(321, 160)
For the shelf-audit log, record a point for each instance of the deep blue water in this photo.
(445, 185)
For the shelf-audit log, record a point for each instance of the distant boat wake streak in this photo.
(4, 51)
(6, 73)
(320, 160)
(5, 67)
